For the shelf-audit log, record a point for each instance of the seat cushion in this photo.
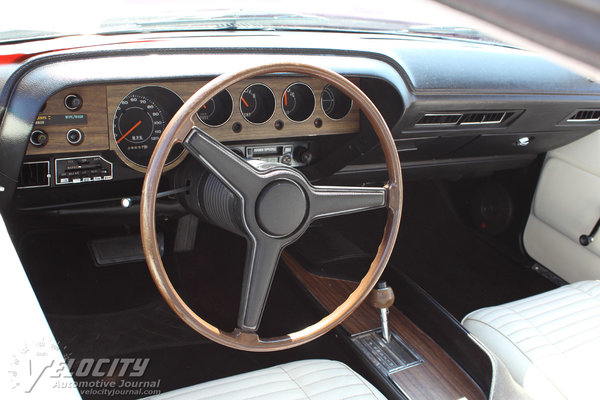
(308, 379)
(549, 342)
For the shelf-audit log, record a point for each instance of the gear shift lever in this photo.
(382, 298)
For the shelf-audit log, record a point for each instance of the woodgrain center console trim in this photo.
(438, 377)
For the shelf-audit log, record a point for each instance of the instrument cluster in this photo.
(82, 132)
(142, 115)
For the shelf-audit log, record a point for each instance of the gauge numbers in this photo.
(140, 119)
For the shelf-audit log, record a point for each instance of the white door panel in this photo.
(566, 205)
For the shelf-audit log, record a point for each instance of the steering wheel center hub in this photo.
(281, 208)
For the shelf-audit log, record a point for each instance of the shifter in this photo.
(383, 298)
(385, 349)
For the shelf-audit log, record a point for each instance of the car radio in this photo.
(292, 154)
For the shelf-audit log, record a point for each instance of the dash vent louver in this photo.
(439, 119)
(585, 116)
(34, 174)
(478, 118)
(467, 118)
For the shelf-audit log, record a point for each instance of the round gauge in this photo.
(335, 104)
(139, 121)
(257, 103)
(217, 110)
(298, 102)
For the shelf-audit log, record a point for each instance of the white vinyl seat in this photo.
(549, 342)
(308, 379)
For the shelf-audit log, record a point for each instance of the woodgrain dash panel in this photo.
(439, 377)
(250, 131)
(95, 131)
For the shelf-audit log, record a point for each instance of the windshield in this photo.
(27, 19)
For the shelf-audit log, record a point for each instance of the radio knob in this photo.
(286, 159)
(303, 155)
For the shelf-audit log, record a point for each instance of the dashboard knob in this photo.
(74, 137)
(38, 138)
(286, 159)
(303, 155)
(73, 102)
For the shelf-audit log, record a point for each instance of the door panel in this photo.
(567, 205)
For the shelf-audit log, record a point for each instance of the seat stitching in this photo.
(345, 386)
(330, 378)
(578, 345)
(242, 389)
(588, 294)
(542, 305)
(297, 384)
(354, 396)
(529, 300)
(540, 334)
(242, 378)
(352, 373)
(577, 301)
(305, 364)
(316, 372)
(260, 396)
(360, 378)
(558, 319)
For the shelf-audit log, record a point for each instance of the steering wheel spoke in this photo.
(329, 201)
(231, 169)
(261, 263)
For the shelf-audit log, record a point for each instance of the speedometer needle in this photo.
(245, 102)
(129, 131)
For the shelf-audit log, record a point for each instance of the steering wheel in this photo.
(276, 206)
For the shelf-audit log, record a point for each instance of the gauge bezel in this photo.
(130, 163)
(228, 118)
(274, 103)
(323, 108)
(314, 101)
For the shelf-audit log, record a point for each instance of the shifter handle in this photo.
(382, 296)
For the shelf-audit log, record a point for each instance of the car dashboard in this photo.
(454, 107)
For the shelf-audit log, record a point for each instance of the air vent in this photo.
(471, 118)
(34, 174)
(438, 119)
(484, 118)
(585, 116)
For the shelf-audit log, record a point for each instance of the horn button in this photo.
(281, 208)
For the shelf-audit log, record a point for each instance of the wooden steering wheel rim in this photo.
(178, 129)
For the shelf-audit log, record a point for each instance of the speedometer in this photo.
(140, 119)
